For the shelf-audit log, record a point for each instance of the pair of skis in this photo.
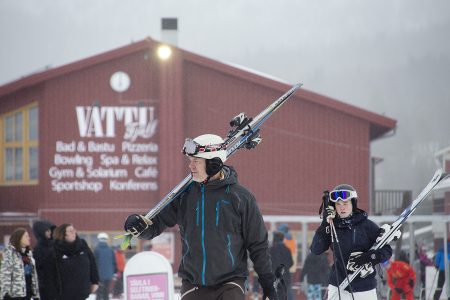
(244, 133)
(392, 231)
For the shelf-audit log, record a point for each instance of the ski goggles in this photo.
(191, 147)
(343, 195)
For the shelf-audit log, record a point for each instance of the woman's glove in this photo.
(370, 256)
(328, 214)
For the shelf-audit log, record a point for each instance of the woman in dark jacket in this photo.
(76, 271)
(43, 231)
(356, 235)
(316, 271)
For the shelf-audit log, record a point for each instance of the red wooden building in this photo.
(98, 139)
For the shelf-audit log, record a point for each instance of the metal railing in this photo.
(391, 202)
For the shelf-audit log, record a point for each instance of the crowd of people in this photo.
(221, 230)
(216, 214)
(60, 267)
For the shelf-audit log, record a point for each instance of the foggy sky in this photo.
(390, 57)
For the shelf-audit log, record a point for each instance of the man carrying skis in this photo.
(219, 222)
(356, 234)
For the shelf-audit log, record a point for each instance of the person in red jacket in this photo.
(401, 279)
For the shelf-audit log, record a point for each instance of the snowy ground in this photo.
(92, 297)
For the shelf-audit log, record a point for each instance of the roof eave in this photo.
(43, 76)
(379, 125)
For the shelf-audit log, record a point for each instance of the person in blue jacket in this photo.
(219, 223)
(356, 234)
(439, 263)
(106, 265)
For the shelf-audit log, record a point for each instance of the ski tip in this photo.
(298, 85)
(126, 242)
(440, 175)
(445, 176)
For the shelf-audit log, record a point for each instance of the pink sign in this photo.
(147, 286)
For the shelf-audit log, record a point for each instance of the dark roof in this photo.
(379, 125)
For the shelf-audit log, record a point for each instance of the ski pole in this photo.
(333, 232)
(434, 280)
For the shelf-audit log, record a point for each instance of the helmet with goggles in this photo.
(207, 146)
(210, 147)
(344, 192)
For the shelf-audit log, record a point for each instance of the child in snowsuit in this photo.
(401, 279)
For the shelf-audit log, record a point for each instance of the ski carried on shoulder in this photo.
(244, 134)
(391, 232)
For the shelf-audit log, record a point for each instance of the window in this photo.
(19, 146)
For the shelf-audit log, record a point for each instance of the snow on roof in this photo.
(259, 73)
(17, 214)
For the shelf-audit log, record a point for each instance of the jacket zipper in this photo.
(354, 235)
(217, 213)
(218, 209)
(203, 236)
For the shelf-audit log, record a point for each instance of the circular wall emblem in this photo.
(120, 81)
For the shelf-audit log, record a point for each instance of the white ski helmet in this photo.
(207, 146)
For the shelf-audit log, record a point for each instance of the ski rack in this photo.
(389, 235)
(245, 134)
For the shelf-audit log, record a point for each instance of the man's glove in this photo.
(399, 290)
(136, 224)
(267, 283)
(411, 283)
(370, 256)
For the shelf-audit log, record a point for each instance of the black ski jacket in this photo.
(355, 234)
(42, 254)
(316, 269)
(218, 223)
(281, 255)
(75, 270)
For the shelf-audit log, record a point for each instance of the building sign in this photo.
(115, 151)
(148, 275)
(147, 286)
